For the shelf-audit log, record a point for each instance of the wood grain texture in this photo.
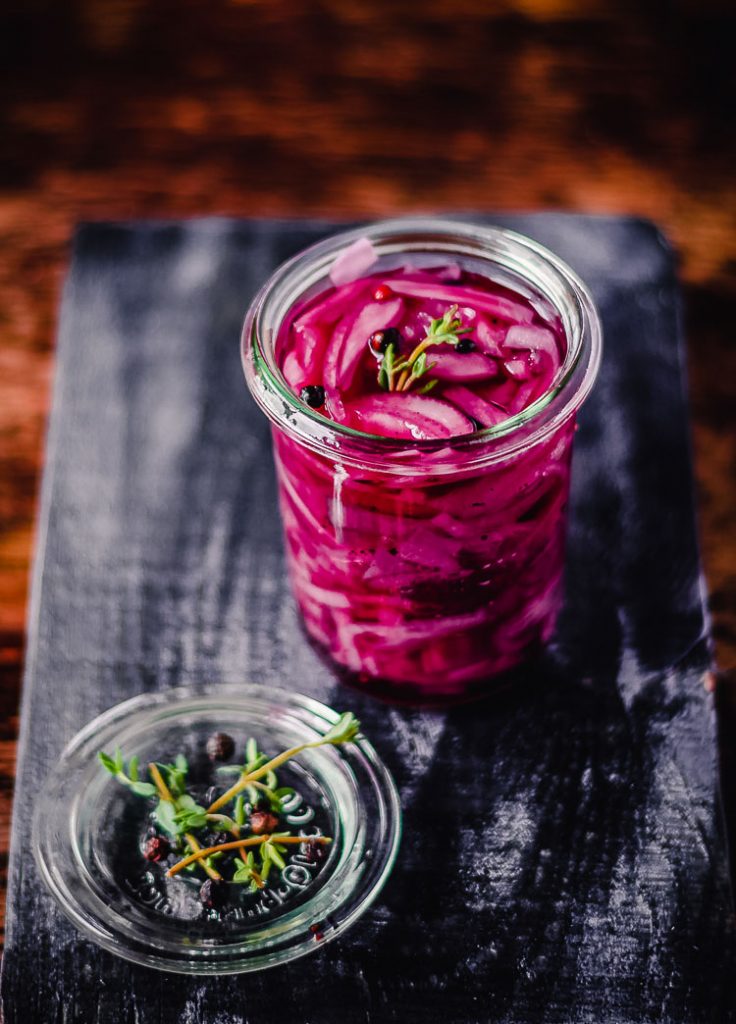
(120, 108)
(563, 856)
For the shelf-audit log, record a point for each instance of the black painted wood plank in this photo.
(563, 858)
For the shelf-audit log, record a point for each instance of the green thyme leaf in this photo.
(107, 762)
(226, 825)
(277, 858)
(116, 766)
(344, 729)
(176, 775)
(401, 374)
(239, 810)
(187, 821)
(143, 788)
(189, 814)
(165, 817)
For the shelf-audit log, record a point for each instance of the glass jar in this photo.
(427, 569)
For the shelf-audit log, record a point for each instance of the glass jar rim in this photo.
(552, 279)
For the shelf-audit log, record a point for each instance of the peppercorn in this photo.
(383, 292)
(156, 848)
(220, 747)
(213, 894)
(313, 395)
(313, 853)
(465, 345)
(262, 822)
(379, 341)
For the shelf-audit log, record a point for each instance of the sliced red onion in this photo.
(461, 366)
(518, 368)
(486, 413)
(312, 344)
(496, 305)
(537, 339)
(376, 316)
(293, 372)
(353, 261)
(489, 337)
(408, 415)
(526, 394)
(329, 310)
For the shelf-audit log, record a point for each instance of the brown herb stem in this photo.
(248, 777)
(241, 844)
(165, 794)
(234, 831)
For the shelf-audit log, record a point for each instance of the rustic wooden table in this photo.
(136, 108)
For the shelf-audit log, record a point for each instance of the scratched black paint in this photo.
(563, 858)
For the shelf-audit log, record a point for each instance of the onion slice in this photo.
(495, 305)
(409, 416)
(353, 262)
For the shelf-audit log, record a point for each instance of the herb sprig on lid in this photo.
(197, 832)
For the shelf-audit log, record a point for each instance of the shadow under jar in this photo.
(425, 567)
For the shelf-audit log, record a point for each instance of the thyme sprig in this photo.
(402, 374)
(116, 766)
(344, 730)
(168, 799)
(272, 844)
(269, 789)
(177, 813)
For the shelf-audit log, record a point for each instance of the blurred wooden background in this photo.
(136, 108)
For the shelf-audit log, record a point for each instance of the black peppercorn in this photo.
(465, 345)
(313, 395)
(220, 747)
(314, 853)
(213, 894)
(379, 341)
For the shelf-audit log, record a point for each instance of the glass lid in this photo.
(298, 849)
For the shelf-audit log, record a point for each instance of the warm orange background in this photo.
(134, 108)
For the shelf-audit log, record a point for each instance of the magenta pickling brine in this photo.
(422, 379)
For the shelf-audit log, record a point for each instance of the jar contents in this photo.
(430, 576)
(419, 354)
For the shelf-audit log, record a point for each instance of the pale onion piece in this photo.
(537, 339)
(352, 262)
(461, 366)
(486, 413)
(462, 295)
(407, 415)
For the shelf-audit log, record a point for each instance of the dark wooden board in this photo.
(563, 857)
